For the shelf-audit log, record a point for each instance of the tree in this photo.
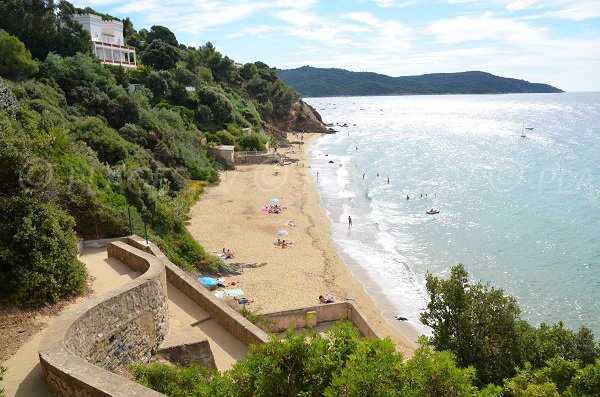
(476, 322)
(158, 32)
(45, 26)
(220, 107)
(86, 82)
(38, 252)
(252, 142)
(15, 59)
(160, 55)
(128, 30)
(222, 68)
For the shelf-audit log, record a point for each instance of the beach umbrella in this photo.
(274, 200)
(282, 233)
(207, 281)
(234, 292)
(276, 168)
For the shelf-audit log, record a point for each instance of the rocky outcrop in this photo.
(302, 118)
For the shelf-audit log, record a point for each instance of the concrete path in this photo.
(24, 376)
(188, 323)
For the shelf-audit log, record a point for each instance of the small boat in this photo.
(523, 135)
(432, 212)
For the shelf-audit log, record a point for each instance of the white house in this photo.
(107, 39)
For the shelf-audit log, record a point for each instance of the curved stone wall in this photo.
(123, 326)
(228, 318)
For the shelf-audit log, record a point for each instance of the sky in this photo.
(555, 42)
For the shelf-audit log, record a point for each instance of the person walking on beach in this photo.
(349, 222)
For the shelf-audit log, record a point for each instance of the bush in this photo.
(2, 372)
(8, 101)
(15, 59)
(181, 248)
(252, 142)
(175, 382)
(226, 138)
(337, 363)
(38, 252)
(482, 327)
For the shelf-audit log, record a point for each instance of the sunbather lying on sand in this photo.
(243, 301)
(322, 299)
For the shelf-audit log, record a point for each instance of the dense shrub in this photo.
(15, 59)
(251, 142)
(8, 101)
(38, 252)
(109, 145)
(337, 363)
(482, 327)
(2, 372)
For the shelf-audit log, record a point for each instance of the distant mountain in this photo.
(317, 82)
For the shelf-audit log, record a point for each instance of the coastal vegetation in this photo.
(319, 82)
(93, 151)
(83, 157)
(2, 372)
(480, 347)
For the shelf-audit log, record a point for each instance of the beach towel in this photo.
(207, 281)
(222, 255)
(219, 294)
(233, 292)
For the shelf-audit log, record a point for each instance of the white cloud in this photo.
(520, 5)
(258, 30)
(394, 3)
(465, 29)
(578, 10)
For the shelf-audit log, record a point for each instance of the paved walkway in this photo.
(189, 323)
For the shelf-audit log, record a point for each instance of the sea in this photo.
(516, 181)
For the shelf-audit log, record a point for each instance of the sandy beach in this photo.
(230, 216)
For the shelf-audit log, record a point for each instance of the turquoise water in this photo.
(521, 213)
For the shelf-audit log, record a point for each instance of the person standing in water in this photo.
(349, 222)
(388, 180)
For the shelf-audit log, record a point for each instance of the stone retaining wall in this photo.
(321, 314)
(256, 159)
(128, 324)
(228, 318)
(123, 326)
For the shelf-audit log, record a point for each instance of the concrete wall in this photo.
(320, 314)
(228, 318)
(189, 354)
(256, 159)
(226, 152)
(128, 324)
(123, 326)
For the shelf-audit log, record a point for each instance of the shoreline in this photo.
(229, 216)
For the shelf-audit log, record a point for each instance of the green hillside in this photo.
(317, 82)
(81, 155)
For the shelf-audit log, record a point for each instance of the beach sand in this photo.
(229, 216)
